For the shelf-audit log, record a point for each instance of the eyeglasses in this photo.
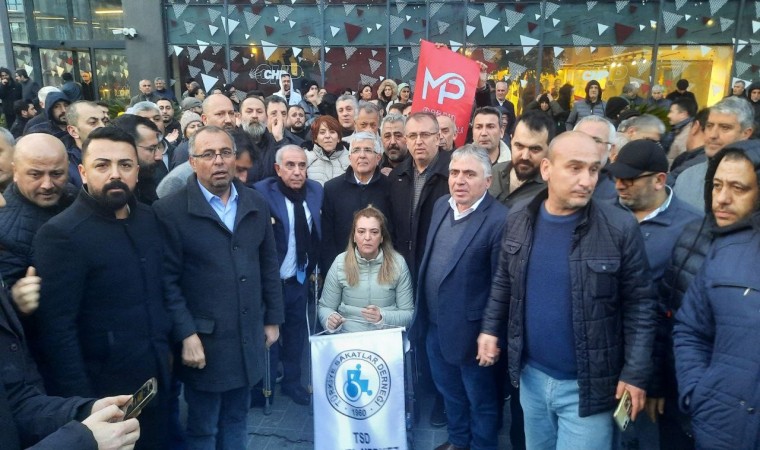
(629, 181)
(211, 156)
(151, 148)
(425, 135)
(364, 150)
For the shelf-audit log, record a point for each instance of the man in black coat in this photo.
(29, 417)
(102, 322)
(415, 186)
(223, 289)
(363, 184)
(29, 87)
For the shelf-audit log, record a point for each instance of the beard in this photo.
(60, 121)
(255, 130)
(525, 171)
(399, 153)
(113, 200)
(297, 129)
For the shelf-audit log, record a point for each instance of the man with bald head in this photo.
(448, 131)
(37, 193)
(217, 111)
(574, 291)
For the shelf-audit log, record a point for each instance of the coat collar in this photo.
(198, 206)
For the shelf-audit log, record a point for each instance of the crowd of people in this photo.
(574, 251)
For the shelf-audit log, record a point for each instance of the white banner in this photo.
(358, 381)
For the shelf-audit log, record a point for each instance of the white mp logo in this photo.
(447, 79)
(358, 383)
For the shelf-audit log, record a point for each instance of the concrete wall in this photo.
(146, 53)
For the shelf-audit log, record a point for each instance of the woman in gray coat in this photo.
(368, 285)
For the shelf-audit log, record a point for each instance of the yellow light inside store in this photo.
(109, 11)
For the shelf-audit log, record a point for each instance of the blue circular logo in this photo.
(358, 383)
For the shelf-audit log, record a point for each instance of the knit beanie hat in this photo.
(187, 118)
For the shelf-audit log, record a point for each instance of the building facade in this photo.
(347, 44)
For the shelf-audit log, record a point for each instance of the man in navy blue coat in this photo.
(461, 254)
(295, 204)
(222, 290)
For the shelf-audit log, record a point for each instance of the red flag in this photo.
(446, 84)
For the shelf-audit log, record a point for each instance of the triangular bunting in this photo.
(349, 9)
(230, 25)
(208, 82)
(177, 50)
(532, 26)
(590, 5)
(296, 51)
(715, 5)
(670, 20)
(489, 54)
(404, 66)
(558, 51)
(704, 50)
(202, 46)
(679, 4)
(527, 43)
(349, 52)
(622, 32)
(488, 24)
(396, 22)
(416, 52)
(194, 71)
(455, 46)
(352, 31)
(741, 67)
(212, 29)
(179, 9)
(284, 11)
(470, 29)
(515, 70)
(251, 19)
(400, 6)
(680, 32)
(269, 48)
(472, 13)
(555, 22)
(216, 49)
(513, 18)
(601, 28)
(434, 8)
(725, 24)
(213, 14)
(374, 65)
(233, 54)
(334, 30)
(315, 43)
(407, 33)
(366, 79)
(620, 5)
(755, 26)
(551, 8)
(188, 26)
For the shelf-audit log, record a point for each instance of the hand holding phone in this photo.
(622, 414)
(140, 399)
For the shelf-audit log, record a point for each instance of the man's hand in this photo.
(272, 333)
(26, 292)
(483, 75)
(655, 407)
(277, 128)
(172, 137)
(119, 400)
(638, 397)
(334, 321)
(372, 314)
(488, 350)
(108, 430)
(192, 352)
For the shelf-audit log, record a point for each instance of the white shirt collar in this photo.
(461, 215)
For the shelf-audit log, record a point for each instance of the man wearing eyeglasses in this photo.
(294, 202)
(416, 184)
(223, 290)
(362, 184)
(640, 172)
(149, 153)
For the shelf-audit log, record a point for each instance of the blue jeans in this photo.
(470, 395)
(551, 415)
(217, 420)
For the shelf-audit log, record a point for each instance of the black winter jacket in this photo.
(613, 302)
(411, 227)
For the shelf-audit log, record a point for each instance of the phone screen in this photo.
(141, 398)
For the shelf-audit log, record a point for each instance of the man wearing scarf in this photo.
(294, 203)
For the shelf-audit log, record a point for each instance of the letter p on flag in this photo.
(446, 83)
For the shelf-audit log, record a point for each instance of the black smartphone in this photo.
(141, 398)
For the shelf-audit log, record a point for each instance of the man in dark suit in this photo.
(222, 290)
(460, 257)
(102, 324)
(295, 203)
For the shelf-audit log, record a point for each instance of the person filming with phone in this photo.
(31, 419)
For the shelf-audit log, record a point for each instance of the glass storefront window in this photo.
(112, 75)
(107, 15)
(707, 68)
(23, 59)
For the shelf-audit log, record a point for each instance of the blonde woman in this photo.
(368, 285)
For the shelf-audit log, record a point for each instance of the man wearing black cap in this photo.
(640, 172)
(681, 91)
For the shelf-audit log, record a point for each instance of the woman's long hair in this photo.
(388, 269)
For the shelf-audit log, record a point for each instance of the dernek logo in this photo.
(447, 79)
(358, 383)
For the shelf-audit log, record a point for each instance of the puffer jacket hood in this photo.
(752, 87)
(53, 98)
(381, 88)
(749, 148)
